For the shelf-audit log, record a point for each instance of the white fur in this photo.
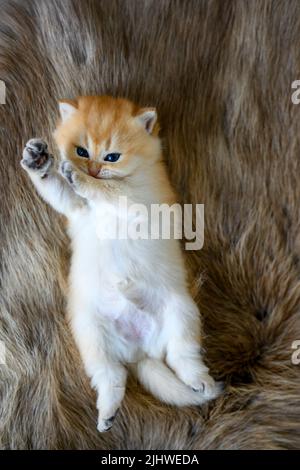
(128, 304)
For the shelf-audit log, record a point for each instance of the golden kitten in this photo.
(129, 304)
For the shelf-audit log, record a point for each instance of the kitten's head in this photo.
(107, 137)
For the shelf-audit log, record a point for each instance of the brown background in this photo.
(220, 74)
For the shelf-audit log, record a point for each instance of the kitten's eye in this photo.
(82, 152)
(112, 157)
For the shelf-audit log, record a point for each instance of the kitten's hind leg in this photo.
(182, 330)
(110, 383)
(108, 376)
(162, 382)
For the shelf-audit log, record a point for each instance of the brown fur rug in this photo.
(220, 74)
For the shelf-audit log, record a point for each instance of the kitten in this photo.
(128, 303)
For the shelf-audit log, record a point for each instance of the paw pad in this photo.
(36, 156)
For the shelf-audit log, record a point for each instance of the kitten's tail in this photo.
(159, 380)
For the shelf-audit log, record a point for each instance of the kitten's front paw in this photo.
(36, 157)
(68, 171)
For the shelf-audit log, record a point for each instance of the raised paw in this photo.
(36, 157)
(104, 425)
(68, 171)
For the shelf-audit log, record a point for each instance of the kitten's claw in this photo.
(36, 157)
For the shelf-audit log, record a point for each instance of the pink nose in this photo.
(94, 168)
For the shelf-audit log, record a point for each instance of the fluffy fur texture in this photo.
(129, 304)
(220, 74)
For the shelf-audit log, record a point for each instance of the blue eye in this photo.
(112, 157)
(82, 152)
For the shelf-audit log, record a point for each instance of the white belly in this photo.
(96, 271)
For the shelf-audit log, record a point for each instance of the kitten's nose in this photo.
(94, 168)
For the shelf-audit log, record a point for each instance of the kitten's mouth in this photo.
(98, 171)
(102, 173)
(106, 176)
(101, 176)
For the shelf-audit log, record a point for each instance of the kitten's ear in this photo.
(148, 118)
(67, 108)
